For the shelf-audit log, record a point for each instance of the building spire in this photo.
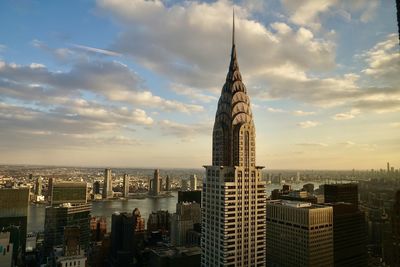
(233, 27)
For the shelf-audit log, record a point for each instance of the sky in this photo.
(134, 83)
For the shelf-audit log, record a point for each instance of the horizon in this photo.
(322, 80)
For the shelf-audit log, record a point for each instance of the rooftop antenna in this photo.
(233, 28)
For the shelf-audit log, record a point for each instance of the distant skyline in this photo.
(120, 83)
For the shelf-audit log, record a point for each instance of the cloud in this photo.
(96, 50)
(184, 41)
(346, 115)
(395, 124)
(308, 124)
(196, 95)
(109, 79)
(383, 61)
(302, 113)
(310, 13)
(186, 132)
(276, 110)
(312, 144)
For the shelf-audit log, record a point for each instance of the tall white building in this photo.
(126, 185)
(234, 196)
(193, 182)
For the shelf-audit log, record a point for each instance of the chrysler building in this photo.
(234, 197)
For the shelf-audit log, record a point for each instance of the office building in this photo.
(98, 228)
(299, 234)
(167, 184)
(127, 238)
(174, 257)
(155, 184)
(138, 221)
(64, 215)
(13, 216)
(234, 195)
(186, 216)
(159, 221)
(71, 254)
(126, 185)
(394, 245)
(193, 182)
(107, 185)
(341, 193)
(96, 187)
(6, 250)
(349, 236)
(68, 192)
(38, 186)
(189, 196)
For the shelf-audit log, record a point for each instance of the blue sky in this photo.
(136, 83)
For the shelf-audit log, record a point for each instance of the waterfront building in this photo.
(13, 216)
(68, 192)
(193, 182)
(167, 184)
(299, 234)
(155, 184)
(107, 185)
(234, 195)
(38, 186)
(138, 221)
(96, 187)
(64, 215)
(126, 185)
(341, 193)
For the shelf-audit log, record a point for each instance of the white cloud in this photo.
(308, 124)
(312, 144)
(276, 110)
(97, 50)
(346, 115)
(186, 132)
(302, 113)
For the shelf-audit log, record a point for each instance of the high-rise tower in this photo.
(107, 186)
(234, 197)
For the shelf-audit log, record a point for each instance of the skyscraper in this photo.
(155, 184)
(299, 234)
(13, 216)
(234, 196)
(167, 184)
(59, 217)
(126, 185)
(68, 192)
(341, 193)
(107, 185)
(193, 182)
(38, 186)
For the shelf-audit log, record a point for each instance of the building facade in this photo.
(107, 185)
(341, 193)
(126, 185)
(68, 192)
(64, 215)
(14, 216)
(234, 196)
(299, 234)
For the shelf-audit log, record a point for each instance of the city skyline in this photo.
(142, 91)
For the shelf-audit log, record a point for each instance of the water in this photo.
(36, 213)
